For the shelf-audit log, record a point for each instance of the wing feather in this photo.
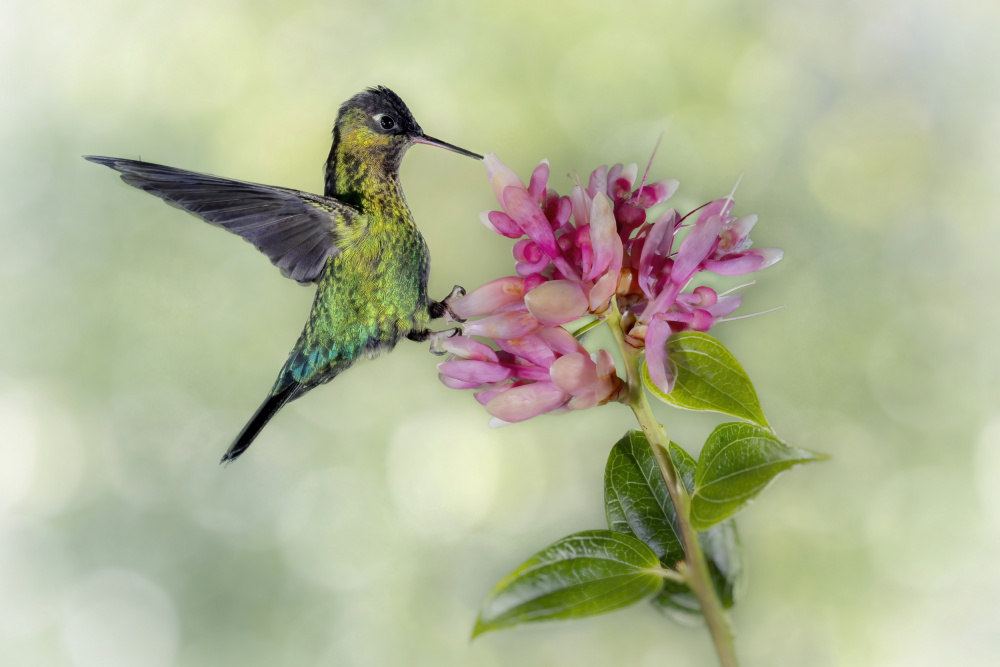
(298, 231)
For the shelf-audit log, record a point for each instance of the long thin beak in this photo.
(431, 141)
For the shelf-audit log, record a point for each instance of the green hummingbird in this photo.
(358, 242)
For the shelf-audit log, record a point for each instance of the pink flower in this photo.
(572, 255)
(529, 375)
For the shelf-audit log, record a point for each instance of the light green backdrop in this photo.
(368, 521)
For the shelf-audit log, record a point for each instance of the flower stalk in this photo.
(695, 566)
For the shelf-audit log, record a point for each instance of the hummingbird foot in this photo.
(437, 337)
(440, 308)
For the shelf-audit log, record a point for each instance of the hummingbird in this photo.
(357, 242)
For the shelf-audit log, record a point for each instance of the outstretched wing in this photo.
(298, 231)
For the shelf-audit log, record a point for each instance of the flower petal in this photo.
(725, 305)
(658, 192)
(452, 383)
(598, 181)
(526, 401)
(560, 340)
(513, 324)
(581, 206)
(660, 370)
(655, 251)
(525, 212)
(487, 395)
(530, 348)
(744, 262)
(556, 302)
(605, 363)
(603, 233)
(480, 372)
(614, 173)
(489, 297)
(467, 348)
(501, 176)
(697, 246)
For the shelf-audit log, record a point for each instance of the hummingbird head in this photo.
(373, 130)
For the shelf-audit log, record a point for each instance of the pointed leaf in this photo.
(736, 463)
(584, 574)
(637, 503)
(636, 500)
(708, 377)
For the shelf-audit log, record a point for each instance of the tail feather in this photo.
(267, 409)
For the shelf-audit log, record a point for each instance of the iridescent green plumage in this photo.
(358, 242)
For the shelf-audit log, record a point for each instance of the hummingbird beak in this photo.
(431, 141)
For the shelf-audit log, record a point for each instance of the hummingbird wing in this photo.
(298, 231)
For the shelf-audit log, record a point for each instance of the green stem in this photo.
(698, 577)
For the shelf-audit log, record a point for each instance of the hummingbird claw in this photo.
(437, 337)
(456, 292)
(441, 308)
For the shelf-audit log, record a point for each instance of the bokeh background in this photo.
(372, 516)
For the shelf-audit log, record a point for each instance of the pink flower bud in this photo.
(556, 302)
(489, 298)
(563, 211)
(501, 223)
(706, 296)
(575, 374)
(501, 176)
(528, 251)
(657, 193)
(513, 324)
(527, 401)
(480, 372)
(467, 348)
(629, 216)
(735, 235)
(701, 320)
(539, 179)
(533, 281)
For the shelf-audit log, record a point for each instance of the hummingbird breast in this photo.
(372, 294)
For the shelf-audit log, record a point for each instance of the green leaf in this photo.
(724, 552)
(736, 463)
(708, 378)
(587, 573)
(636, 500)
(637, 503)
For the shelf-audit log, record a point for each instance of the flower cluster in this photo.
(573, 254)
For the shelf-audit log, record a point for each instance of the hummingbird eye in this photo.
(386, 122)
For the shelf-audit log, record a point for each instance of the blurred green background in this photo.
(372, 516)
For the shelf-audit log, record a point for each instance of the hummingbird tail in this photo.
(267, 409)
